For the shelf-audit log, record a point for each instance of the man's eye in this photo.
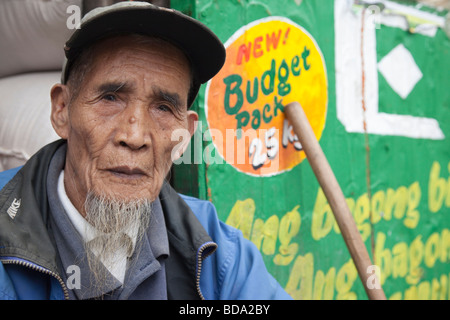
(164, 107)
(109, 97)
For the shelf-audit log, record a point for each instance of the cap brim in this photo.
(202, 47)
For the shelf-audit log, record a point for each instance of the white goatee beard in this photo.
(115, 219)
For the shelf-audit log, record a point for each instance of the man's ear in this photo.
(59, 95)
(192, 118)
(185, 135)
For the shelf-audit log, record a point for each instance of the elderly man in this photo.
(90, 216)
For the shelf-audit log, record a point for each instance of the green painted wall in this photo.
(389, 147)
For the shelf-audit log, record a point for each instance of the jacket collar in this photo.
(189, 244)
(26, 235)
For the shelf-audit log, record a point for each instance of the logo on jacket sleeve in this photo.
(13, 208)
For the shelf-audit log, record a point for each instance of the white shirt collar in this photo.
(84, 228)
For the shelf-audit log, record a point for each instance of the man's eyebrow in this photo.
(173, 98)
(113, 87)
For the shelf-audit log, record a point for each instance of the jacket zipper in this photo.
(39, 269)
(200, 258)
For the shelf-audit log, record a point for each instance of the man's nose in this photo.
(134, 127)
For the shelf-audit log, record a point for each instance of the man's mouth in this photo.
(126, 172)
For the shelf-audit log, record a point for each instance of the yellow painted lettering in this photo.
(289, 228)
(270, 231)
(324, 285)
(264, 234)
(400, 260)
(378, 199)
(432, 250)
(415, 258)
(444, 287)
(396, 296)
(383, 256)
(351, 206)
(445, 246)
(299, 285)
(257, 233)
(401, 196)
(436, 188)
(412, 215)
(411, 293)
(345, 278)
(423, 290)
(435, 289)
(362, 215)
(395, 203)
(241, 216)
(447, 198)
(322, 217)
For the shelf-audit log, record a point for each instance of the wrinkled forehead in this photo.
(137, 60)
(136, 46)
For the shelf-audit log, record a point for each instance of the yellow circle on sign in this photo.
(270, 63)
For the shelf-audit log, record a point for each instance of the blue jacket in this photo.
(208, 259)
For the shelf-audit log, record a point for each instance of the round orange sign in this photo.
(270, 63)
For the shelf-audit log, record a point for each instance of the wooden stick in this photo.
(335, 197)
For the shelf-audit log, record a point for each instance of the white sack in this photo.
(25, 124)
(32, 35)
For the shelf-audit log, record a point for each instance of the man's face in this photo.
(119, 125)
